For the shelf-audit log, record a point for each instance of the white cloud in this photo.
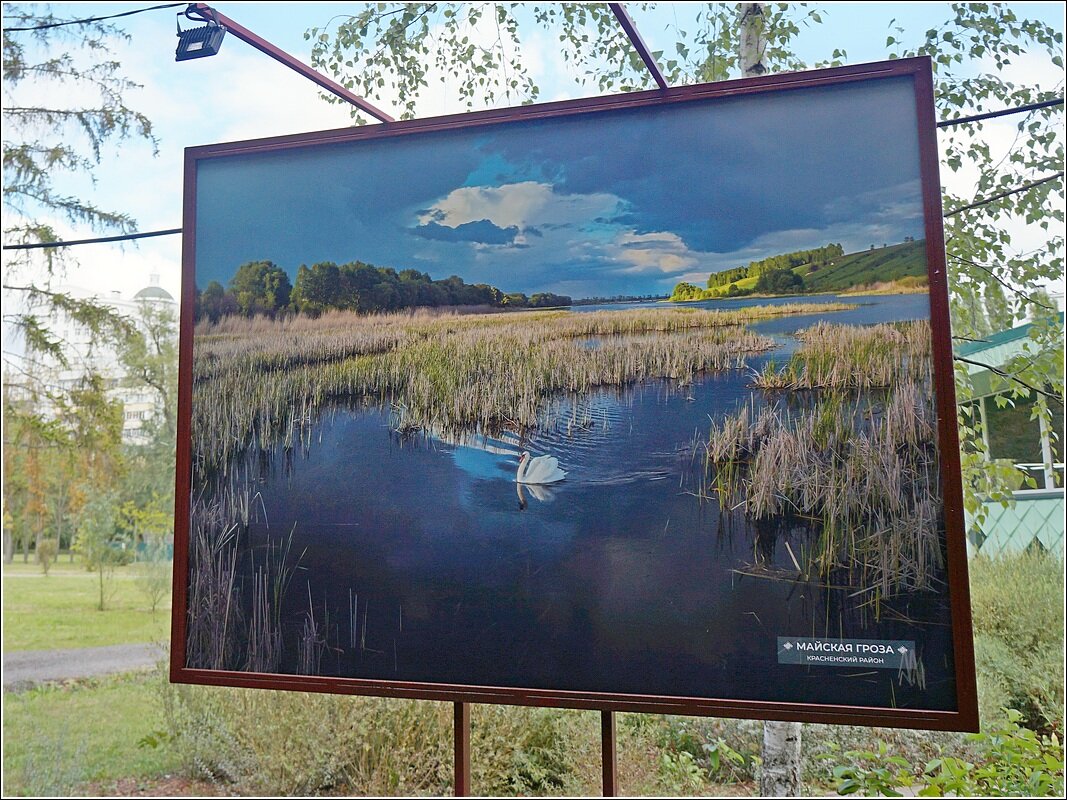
(526, 205)
(660, 251)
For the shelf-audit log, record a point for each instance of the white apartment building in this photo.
(82, 352)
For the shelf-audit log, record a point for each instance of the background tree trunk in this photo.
(780, 775)
(753, 42)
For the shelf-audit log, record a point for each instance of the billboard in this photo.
(639, 402)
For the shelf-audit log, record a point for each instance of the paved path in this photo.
(23, 669)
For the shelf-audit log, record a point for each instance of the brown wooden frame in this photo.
(965, 718)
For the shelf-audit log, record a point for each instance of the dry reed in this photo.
(258, 386)
(862, 467)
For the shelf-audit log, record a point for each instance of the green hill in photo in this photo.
(867, 268)
(881, 270)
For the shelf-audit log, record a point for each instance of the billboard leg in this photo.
(462, 741)
(608, 754)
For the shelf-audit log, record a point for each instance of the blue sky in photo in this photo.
(622, 202)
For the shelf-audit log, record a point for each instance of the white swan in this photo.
(543, 469)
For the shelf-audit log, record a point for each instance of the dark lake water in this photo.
(426, 561)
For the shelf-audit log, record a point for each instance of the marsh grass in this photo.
(856, 457)
(214, 612)
(850, 357)
(235, 593)
(259, 383)
(312, 644)
(271, 577)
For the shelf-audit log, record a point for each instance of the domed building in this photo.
(154, 293)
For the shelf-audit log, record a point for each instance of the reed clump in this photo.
(235, 591)
(834, 356)
(861, 466)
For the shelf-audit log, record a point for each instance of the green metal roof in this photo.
(995, 340)
(1035, 520)
(995, 350)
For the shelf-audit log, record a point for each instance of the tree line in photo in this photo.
(819, 269)
(262, 287)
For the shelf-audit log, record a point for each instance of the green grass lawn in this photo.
(59, 610)
(59, 736)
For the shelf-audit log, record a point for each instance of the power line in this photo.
(72, 242)
(1002, 195)
(93, 19)
(1003, 374)
(1003, 112)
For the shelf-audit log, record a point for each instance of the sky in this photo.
(242, 94)
(548, 206)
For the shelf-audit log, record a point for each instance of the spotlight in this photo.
(200, 42)
(206, 41)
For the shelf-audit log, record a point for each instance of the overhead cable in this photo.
(87, 20)
(1003, 112)
(98, 240)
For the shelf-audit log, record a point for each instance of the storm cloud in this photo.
(617, 202)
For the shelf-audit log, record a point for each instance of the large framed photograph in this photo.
(636, 403)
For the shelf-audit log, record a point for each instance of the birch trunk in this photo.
(780, 774)
(753, 43)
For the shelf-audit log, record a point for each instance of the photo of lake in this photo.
(633, 402)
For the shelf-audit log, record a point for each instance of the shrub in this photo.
(278, 743)
(272, 743)
(1017, 603)
(727, 751)
(1016, 762)
(152, 571)
(265, 742)
(50, 766)
(47, 550)
(1012, 761)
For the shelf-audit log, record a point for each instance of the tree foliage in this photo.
(395, 49)
(149, 361)
(261, 287)
(47, 146)
(44, 141)
(98, 544)
(992, 284)
(779, 281)
(64, 106)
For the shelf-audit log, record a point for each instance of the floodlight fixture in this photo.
(202, 41)
(206, 40)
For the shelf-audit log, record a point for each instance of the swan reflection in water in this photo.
(539, 492)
